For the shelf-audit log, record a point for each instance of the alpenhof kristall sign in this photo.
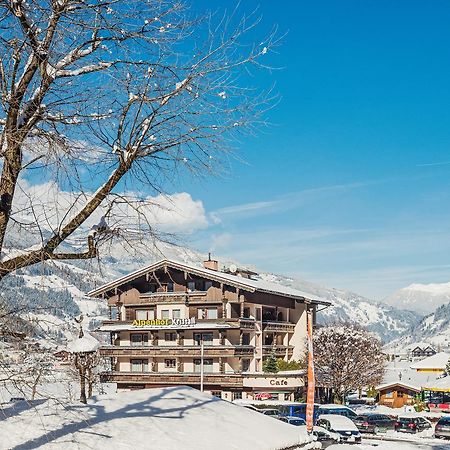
(163, 323)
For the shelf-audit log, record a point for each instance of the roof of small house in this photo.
(441, 384)
(249, 284)
(437, 361)
(85, 344)
(410, 386)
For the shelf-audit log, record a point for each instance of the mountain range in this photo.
(421, 298)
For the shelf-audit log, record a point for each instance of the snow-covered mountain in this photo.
(421, 298)
(57, 290)
(433, 329)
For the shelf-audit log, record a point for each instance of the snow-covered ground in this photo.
(389, 445)
(168, 418)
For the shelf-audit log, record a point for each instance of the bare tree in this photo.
(347, 358)
(104, 95)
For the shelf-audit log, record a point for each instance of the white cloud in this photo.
(47, 206)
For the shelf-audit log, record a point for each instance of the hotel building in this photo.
(170, 319)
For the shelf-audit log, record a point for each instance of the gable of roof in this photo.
(384, 386)
(248, 284)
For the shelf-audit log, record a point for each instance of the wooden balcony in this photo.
(177, 350)
(157, 298)
(280, 350)
(171, 378)
(278, 326)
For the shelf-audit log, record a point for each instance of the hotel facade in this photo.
(173, 323)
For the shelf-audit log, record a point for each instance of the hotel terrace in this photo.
(164, 316)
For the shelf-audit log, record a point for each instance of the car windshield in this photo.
(297, 422)
(444, 421)
(406, 419)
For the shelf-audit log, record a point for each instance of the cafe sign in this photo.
(163, 323)
(273, 382)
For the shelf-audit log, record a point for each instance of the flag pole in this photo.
(311, 378)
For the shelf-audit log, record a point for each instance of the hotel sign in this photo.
(163, 323)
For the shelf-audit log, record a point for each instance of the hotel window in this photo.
(170, 337)
(389, 394)
(176, 314)
(207, 338)
(246, 339)
(191, 286)
(164, 314)
(139, 365)
(237, 395)
(208, 284)
(245, 365)
(207, 365)
(170, 287)
(138, 339)
(145, 314)
(207, 313)
(170, 363)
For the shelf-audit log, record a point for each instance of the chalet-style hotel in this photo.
(172, 323)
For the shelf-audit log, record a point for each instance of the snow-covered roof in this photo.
(398, 383)
(333, 406)
(441, 384)
(85, 344)
(437, 361)
(249, 284)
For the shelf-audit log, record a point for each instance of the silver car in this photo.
(442, 429)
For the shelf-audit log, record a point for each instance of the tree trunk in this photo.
(82, 385)
(90, 382)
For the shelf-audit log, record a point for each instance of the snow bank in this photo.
(168, 418)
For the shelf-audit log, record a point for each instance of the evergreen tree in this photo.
(270, 364)
(289, 365)
(447, 368)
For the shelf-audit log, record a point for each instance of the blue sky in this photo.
(350, 185)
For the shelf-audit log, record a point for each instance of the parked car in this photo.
(325, 437)
(337, 409)
(412, 424)
(373, 423)
(297, 410)
(263, 396)
(442, 429)
(293, 420)
(341, 425)
(270, 412)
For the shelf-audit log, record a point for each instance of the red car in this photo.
(263, 396)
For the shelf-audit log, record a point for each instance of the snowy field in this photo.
(177, 418)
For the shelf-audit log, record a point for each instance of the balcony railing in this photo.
(191, 350)
(278, 326)
(278, 349)
(219, 379)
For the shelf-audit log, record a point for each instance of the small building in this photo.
(397, 394)
(435, 363)
(423, 352)
(437, 394)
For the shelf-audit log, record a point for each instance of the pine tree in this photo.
(447, 368)
(270, 364)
